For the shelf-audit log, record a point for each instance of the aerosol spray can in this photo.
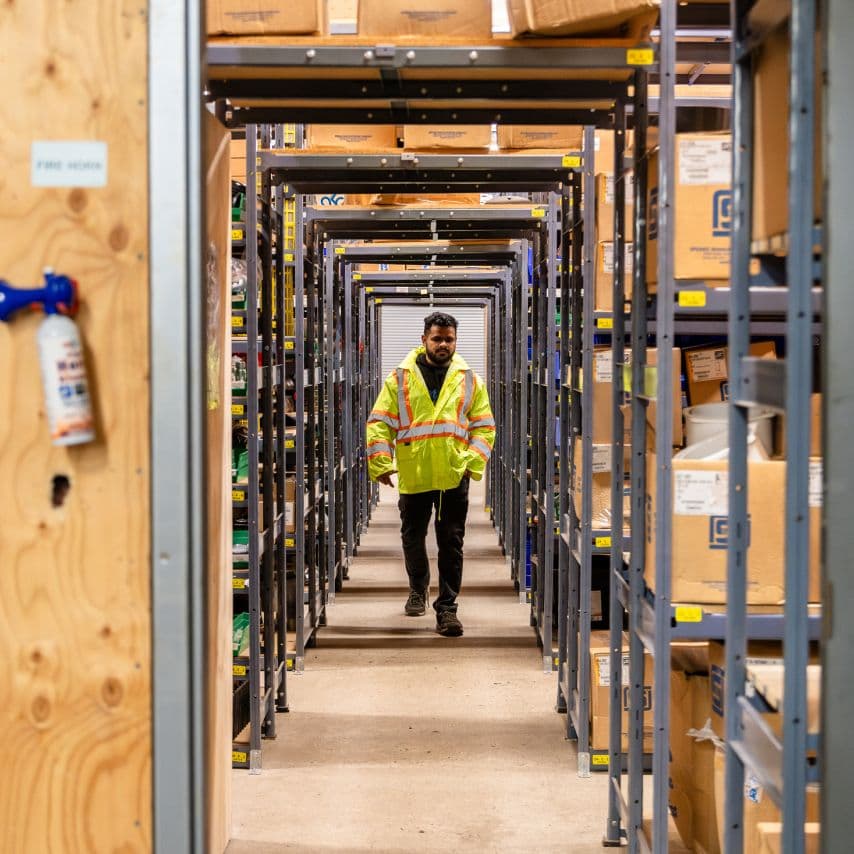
(66, 387)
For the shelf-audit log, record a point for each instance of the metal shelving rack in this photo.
(260, 676)
(783, 766)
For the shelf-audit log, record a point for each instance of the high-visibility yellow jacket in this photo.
(434, 445)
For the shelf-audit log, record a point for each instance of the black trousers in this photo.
(451, 511)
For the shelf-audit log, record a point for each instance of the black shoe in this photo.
(448, 624)
(416, 604)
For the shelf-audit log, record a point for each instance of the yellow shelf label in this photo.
(571, 161)
(600, 759)
(689, 614)
(369, 290)
(290, 443)
(238, 583)
(237, 409)
(640, 56)
(237, 321)
(357, 277)
(290, 542)
(291, 664)
(555, 662)
(605, 323)
(236, 234)
(238, 669)
(692, 299)
(239, 756)
(340, 250)
(603, 542)
(378, 300)
(539, 213)
(290, 345)
(289, 256)
(238, 495)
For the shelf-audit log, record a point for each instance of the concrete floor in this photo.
(399, 740)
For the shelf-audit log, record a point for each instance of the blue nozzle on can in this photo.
(57, 296)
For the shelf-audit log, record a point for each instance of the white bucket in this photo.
(712, 419)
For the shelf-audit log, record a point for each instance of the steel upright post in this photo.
(739, 347)
(664, 426)
(612, 832)
(799, 269)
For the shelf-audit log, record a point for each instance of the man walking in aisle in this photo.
(433, 416)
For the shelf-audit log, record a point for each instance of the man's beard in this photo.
(442, 359)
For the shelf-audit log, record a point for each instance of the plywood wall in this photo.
(75, 680)
(219, 589)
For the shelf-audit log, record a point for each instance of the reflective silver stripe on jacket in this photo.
(402, 409)
(386, 419)
(379, 447)
(425, 431)
(475, 442)
(484, 421)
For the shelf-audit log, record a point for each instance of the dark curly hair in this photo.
(439, 318)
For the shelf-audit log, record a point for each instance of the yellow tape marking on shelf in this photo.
(289, 256)
(605, 323)
(340, 250)
(239, 756)
(689, 614)
(571, 161)
(603, 542)
(238, 669)
(238, 495)
(640, 56)
(238, 583)
(237, 321)
(692, 299)
(539, 213)
(236, 234)
(290, 345)
(599, 759)
(237, 409)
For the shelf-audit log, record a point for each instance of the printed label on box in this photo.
(603, 366)
(705, 161)
(816, 497)
(290, 512)
(706, 365)
(601, 459)
(603, 663)
(609, 189)
(701, 493)
(608, 258)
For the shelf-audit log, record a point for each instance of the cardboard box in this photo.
(700, 532)
(600, 495)
(351, 137)
(702, 202)
(600, 694)
(290, 505)
(603, 299)
(457, 137)
(759, 809)
(693, 795)
(342, 200)
(771, 137)
(263, 17)
(707, 370)
(446, 18)
(564, 138)
(651, 387)
(571, 17)
(770, 835)
(815, 429)
(605, 206)
(456, 200)
(603, 147)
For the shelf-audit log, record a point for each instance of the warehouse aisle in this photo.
(400, 740)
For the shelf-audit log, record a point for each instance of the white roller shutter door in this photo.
(403, 325)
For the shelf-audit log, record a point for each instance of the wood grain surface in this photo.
(219, 590)
(75, 622)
